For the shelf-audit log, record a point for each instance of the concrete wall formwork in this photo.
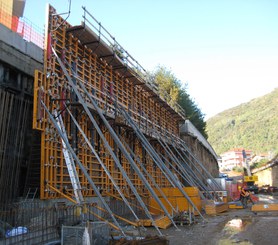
(108, 86)
(111, 83)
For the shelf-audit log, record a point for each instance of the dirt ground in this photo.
(240, 226)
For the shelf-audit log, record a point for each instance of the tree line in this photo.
(174, 92)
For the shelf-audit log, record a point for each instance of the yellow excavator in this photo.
(249, 179)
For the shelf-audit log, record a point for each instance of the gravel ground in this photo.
(235, 226)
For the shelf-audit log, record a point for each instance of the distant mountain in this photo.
(252, 125)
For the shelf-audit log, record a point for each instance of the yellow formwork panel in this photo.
(155, 208)
(190, 191)
(213, 209)
(104, 83)
(175, 192)
(163, 222)
(177, 200)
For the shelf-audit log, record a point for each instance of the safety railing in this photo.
(21, 26)
(127, 59)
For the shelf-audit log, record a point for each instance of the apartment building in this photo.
(234, 158)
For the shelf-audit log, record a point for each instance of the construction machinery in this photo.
(249, 179)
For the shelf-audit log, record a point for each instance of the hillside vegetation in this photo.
(252, 125)
(170, 85)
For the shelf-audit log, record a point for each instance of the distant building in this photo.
(234, 158)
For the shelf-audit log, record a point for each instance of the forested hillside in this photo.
(252, 125)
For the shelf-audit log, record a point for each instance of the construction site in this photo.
(89, 150)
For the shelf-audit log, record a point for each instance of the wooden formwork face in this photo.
(105, 85)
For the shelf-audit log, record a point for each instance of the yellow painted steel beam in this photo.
(118, 216)
(116, 197)
(91, 212)
(62, 194)
(252, 178)
(235, 206)
(102, 219)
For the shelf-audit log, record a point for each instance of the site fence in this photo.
(31, 223)
(21, 25)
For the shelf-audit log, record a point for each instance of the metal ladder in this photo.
(69, 161)
(82, 168)
(117, 141)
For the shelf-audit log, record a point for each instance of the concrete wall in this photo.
(18, 61)
(202, 154)
(17, 52)
(201, 149)
(268, 176)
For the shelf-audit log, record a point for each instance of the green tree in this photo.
(171, 89)
(192, 111)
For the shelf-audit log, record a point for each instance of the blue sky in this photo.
(226, 51)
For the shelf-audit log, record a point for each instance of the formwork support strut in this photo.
(130, 160)
(102, 164)
(185, 149)
(82, 168)
(69, 161)
(116, 139)
(149, 175)
(191, 178)
(155, 156)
